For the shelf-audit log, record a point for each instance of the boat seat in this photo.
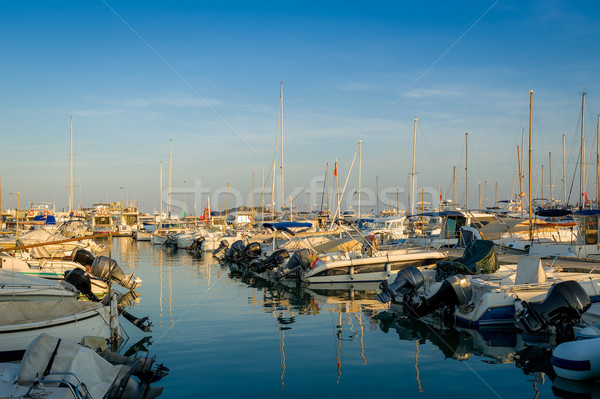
(530, 271)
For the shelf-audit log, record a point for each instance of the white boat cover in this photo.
(95, 372)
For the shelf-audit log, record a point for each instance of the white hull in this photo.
(369, 269)
(21, 322)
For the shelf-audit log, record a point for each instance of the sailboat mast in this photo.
(170, 166)
(275, 159)
(281, 130)
(467, 171)
(161, 191)
(454, 186)
(412, 178)
(598, 164)
(530, 152)
(550, 173)
(359, 173)
(71, 168)
(582, 155)
(520, 181)
(564, 179)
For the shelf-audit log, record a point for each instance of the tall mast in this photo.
(582, 155)
(376, 194)
(281, 130)
(252, 194)
(520, 182)
(467, 171)
(454, 186)
(161, 191)
(412, 179)
(359, 173)
(564, 179)
(550, 173)
(170, 166)
(598, 164)
(530, 152)
(275, 157)
(71, 168)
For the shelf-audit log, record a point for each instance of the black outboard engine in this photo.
(250, 251)
(81, 280)
(107, 268)
(234, 252)
(298, 262)
(196, 245)
(171, 242)
(274, 260)
(223, 246)
(83, 257)
(562, 308)
(455, 291)
(407, 280)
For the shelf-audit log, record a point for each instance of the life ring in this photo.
(31, 213)
(46, 213)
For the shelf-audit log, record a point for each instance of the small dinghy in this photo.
(577, 360)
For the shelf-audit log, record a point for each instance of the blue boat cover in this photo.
(587, 212)
(286, 225)
(554, 213)
(49, 219)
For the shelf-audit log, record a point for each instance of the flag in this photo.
(585, 196)
(313, 259)
(522, 194)
(441, 198)
(335, 169)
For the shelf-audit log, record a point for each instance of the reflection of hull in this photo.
(369, 269)
(141, 235)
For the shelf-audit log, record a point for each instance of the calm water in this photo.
(225, 336)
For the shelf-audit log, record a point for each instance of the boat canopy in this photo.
(49, 219)
(435, 214)
(479, 258)
(286, 226)
(587, 212)
(554, 213)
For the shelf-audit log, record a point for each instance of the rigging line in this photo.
(181, 79)
(186, 312)
(425, 73)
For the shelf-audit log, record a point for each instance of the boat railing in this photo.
(79, 390)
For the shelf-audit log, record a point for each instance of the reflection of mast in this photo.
(362, 335)
(281, 346)
(170, 296)
(338, 361)
(417, 366)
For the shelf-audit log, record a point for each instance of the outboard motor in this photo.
(83, 257)
(407, 280)
(562, 308)
(455, 291)
(223, 246)
(196, 245)
(274, 260)
(249, 252)
(106, 268)
(299, 261)
(81, 280)
(234, 252)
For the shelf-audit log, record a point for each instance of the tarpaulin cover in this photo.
(479, 258)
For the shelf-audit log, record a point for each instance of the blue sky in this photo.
(134, 74)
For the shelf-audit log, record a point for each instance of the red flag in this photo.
(335, 169)
(585, 196)
(441, 198)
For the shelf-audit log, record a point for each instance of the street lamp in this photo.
(122, 196)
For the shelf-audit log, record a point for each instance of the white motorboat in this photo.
(55, 368)
(346, 267)
(22, 321)
(505, 297)
(19, 287)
